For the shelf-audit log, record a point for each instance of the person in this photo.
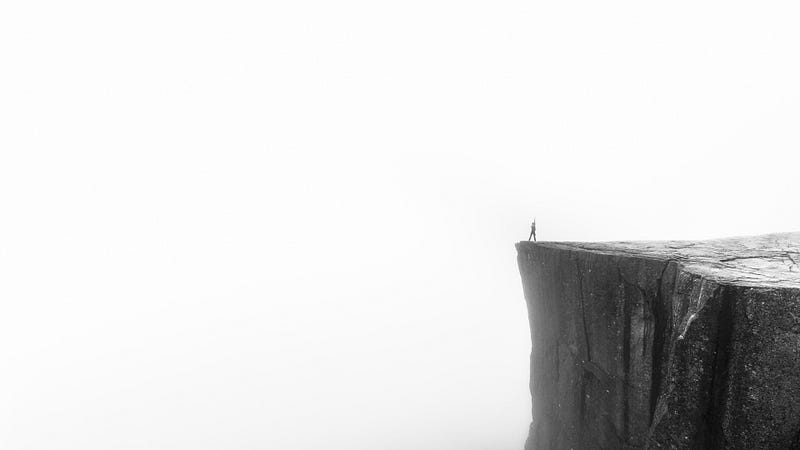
(533, 231)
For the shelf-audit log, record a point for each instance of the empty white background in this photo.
(290, 225)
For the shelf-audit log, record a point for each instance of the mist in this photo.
(290, 225)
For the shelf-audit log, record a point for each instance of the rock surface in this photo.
(674, 344)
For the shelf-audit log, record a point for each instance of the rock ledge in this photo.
(674, 344)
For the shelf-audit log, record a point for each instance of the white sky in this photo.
(290, 225)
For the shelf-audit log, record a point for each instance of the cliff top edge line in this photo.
(766, 261)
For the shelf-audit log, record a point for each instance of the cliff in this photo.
(675, 344)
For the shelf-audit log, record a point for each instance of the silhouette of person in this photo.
(533, 231)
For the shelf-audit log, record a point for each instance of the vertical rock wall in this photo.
(631, 350)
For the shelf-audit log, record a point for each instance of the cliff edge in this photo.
(673, 344)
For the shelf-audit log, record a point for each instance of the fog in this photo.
(291, 225)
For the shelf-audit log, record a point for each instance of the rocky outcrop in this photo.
(671, 344)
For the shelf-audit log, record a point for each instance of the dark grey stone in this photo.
(673, 344)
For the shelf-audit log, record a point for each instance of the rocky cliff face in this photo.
(664, 344)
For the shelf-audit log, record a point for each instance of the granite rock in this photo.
(673, 344)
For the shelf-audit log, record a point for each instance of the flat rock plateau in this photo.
(672, 344)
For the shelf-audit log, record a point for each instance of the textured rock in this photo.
(672, 344)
